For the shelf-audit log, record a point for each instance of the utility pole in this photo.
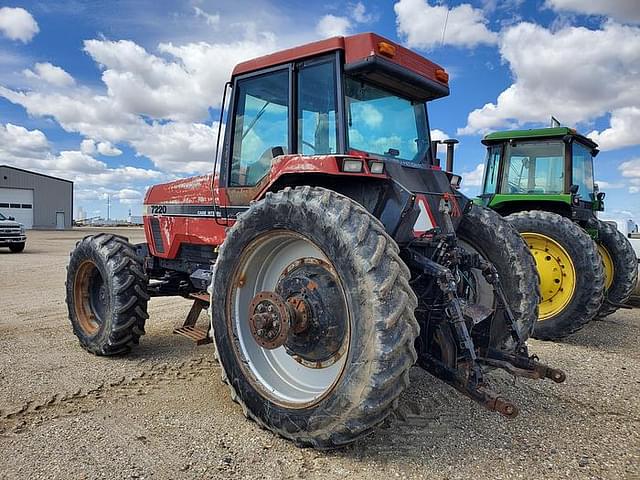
(108, 206)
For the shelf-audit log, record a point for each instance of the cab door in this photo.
(259, 130)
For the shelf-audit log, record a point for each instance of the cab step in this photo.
(199, 335)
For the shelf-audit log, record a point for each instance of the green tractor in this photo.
(541, 180)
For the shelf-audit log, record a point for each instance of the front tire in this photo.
(17, 248)
(106, 294)
(570, 269)
(356, 272)
(620, 266)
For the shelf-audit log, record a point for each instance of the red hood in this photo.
(192, 190)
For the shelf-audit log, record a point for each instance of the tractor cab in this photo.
(550, 166)
(360, 95)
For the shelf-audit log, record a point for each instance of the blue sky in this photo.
(120, 95)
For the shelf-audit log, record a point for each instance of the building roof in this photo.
(36, 173)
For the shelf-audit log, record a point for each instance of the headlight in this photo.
(352, 166)
(376, 167)
(22, 230)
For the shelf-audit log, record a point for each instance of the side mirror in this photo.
(574, 188)
(12, 218)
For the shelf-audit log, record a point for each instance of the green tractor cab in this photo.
(542, 181)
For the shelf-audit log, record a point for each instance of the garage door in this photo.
(17, 203)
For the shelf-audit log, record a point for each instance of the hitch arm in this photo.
(522, 366)
(478, 392)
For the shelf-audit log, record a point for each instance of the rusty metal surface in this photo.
(203, 296)
(270, 320)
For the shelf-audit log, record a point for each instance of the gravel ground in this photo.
(162, 412)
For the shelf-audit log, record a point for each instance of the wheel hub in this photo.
(270, 320)
(311, 288)
(305, 314)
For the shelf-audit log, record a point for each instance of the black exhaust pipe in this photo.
(450, 146)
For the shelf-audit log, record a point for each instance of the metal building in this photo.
(36, 200)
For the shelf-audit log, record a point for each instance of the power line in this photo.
(444, 28)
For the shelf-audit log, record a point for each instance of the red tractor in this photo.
(335, 250)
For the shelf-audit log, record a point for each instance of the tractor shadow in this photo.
(436, 424)
(618, 332)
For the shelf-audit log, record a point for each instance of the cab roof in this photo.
(536, 133)
(364, 51)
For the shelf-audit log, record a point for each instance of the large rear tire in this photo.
(356, 286)
(620, 266)
(485, 232)
(570, 269)
(106, 294)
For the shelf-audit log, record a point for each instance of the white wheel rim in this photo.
(276, 373)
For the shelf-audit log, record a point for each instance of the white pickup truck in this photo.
(12, 234)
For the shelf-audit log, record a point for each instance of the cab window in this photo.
(317, 126)
(260, 129)
(491, 174)
(582, 171)
(534, 167)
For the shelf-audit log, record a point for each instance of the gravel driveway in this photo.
(162, 411)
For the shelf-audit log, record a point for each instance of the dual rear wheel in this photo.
(580, 278)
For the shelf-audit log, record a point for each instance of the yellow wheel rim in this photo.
(557, 274)
(607, 261)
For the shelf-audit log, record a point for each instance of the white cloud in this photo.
(128, 196)
(16, 141)
(333, 26)
(630, 171)
(17, 24)
(178, 147)
(623, 130)
(360, 15)
(337, 26)
(626, 11)
(566, 84)
(51, 74)
(603, 185)
(30, 149)
(88, 146)
(439, 135)
(108, 150)
(181, 87)
(211, 19)
(370, 115)
(421, 25)
(474, 177)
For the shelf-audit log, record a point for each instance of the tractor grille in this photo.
(157, 235)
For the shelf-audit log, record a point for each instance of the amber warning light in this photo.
(386, 49)
(442, 75)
